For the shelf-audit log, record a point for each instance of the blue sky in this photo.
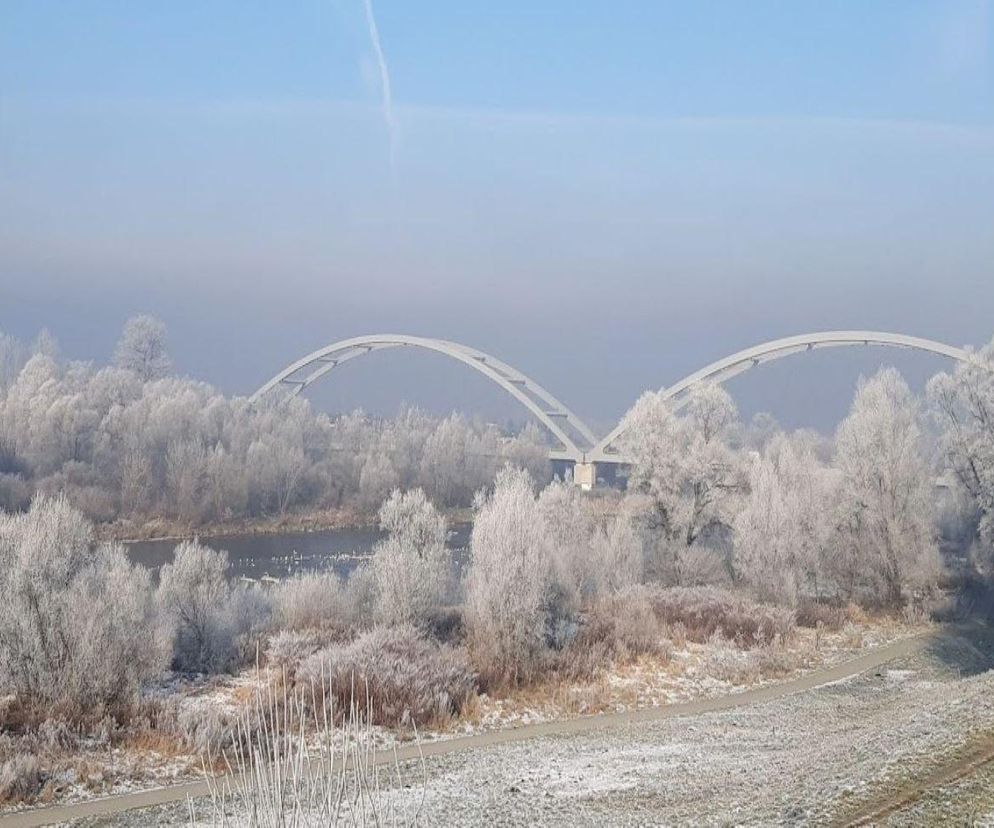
(607, 195)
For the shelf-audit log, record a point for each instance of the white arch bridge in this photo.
(576, 442)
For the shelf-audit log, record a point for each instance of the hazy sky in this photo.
(606, 195)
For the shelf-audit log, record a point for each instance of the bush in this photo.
(447, 624)
(206, 729)
(20, 779)
(248, 617)
(360, 592)
(620, 551)
(813, 614)
(619, 627)
(703, 611)
(216, 627)
(79, 631)
(408, 678)
(627, 623)
(315, 601)
(288, 648)
(702, 566)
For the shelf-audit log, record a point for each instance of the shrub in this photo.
(704, 611)
(702, 566)
(206, 728)
(447, 624)
(813, 614)
(405, 677)
(577, 562)
(20, 779)
(216, 627)
(619, 627)
(247, 615)
(360, 596)
(79, 631)
(627, 623)
(621, 554)
(311, 602)
(288, 648)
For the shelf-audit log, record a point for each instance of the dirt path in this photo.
(180, 793)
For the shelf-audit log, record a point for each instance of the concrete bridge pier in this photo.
(585, 475)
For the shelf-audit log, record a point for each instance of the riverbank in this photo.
(182, 716)
(126, 530)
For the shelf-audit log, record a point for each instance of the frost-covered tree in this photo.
(569, 530)
(377, 479)
(784, 528)
(618, 551)
(886, 494)
(79, 630)
(118, 443)
(194, 593)
(963, 405)
(142, 348)
(46, 344)
(529, 450)
(186, 472)
(443, 461)
(13, 356)
(762, 428)
(507, 580)
(410, 565)
(687, 469)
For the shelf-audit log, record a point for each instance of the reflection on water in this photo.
(264, 557)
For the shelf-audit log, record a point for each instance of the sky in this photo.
(606, 195)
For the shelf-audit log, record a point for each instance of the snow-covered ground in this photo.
(692, 671)
(810, 758)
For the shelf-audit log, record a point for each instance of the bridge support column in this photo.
(585, 475)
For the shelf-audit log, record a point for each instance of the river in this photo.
(266, 556)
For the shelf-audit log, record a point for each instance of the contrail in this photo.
(374, 37)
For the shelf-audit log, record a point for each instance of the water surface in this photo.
(266, 556)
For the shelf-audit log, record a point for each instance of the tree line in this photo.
(132, 441)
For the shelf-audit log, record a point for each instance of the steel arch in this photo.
(548, 410)
(743, 360)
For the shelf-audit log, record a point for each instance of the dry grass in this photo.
(704, 611)
(819, 615)
(725, 661)
(20, 779)
(292, 765)
(406, 676)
